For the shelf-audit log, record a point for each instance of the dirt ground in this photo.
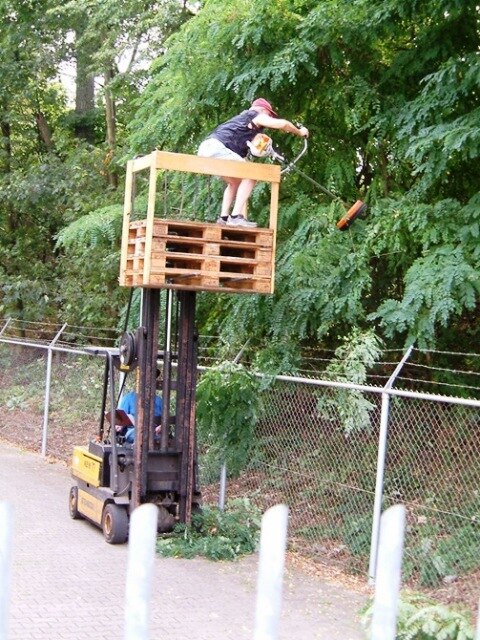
(24, 429)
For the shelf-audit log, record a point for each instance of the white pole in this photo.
(141, 555)
(48, 378)
(5, 326)
(273, 541)
(477, 633)
(377, 505)
(6, 527)
(223, 487)
(388, 576)
(381, 458)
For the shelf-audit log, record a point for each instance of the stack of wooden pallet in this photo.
(199, 256)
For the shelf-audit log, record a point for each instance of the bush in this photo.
(228, 406)
(420, 618)
(435, 555)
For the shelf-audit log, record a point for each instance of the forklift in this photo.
(112, 476)
(179, 257)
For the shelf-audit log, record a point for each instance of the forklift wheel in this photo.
(115, 523)
(73, 504)
(165, 520)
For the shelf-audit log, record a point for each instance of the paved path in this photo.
(69, 584)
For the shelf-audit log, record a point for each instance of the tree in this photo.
(56, 165)
(115, 44)
(389, 91)
(28, 107)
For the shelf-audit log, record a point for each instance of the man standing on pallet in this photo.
(229, 141)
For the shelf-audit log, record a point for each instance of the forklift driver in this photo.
(129, 404)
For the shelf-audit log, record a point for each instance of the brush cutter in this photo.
(261, 147)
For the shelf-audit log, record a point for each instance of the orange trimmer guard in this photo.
(355, 210)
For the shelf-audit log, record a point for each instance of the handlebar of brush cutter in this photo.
(293, 162)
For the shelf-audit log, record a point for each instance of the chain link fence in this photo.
(303, 456)
(315, 447)
(72, 416)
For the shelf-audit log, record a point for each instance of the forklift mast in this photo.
(178, 430)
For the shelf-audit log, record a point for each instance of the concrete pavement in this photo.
(69, 584)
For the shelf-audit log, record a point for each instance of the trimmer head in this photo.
(355, 211)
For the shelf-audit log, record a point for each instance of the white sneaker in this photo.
(221, 220)
(240, 221)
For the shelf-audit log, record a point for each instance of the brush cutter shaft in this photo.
(357, 210)
(291, 167)
(319, 186)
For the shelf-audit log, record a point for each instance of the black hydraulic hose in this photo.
(101, 431)
(113, 432)
(127, 316)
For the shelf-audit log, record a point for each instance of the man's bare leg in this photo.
(243, 192)
(229, 195)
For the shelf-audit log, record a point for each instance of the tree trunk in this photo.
(6, 145)
(85, 93)
(44, 130)
(110, 116)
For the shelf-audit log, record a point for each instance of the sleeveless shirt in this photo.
(235, 133)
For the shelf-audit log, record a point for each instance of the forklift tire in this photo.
(165, 520)
(73, 504)
(115, 524)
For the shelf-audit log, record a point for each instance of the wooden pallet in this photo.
(199, 256)
(195, 255)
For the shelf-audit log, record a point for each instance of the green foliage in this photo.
(215, 534)
(321, 282)
(358, 353)
(389, 90)
(355, 357)
(442, 282)
(228, 407)
(357, 534)
(93, 229)
(26, 388)
(73, 397)
(420, 618)
(439, 122)
(278, 356)
(432, 556)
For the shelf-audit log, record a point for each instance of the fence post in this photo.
(141, 556)
(5, 326)
(389, 572)
(223, 470)
(47, 390)
(273, 542)
(6, 536)
(382, 454)
(223, 487)
(477, 634)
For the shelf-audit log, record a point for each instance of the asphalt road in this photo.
(69, 584)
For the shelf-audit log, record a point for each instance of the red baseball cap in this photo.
(261, 102)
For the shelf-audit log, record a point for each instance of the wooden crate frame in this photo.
(259, 241)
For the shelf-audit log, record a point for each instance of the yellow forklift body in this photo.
(86, 466)
(90, 506)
